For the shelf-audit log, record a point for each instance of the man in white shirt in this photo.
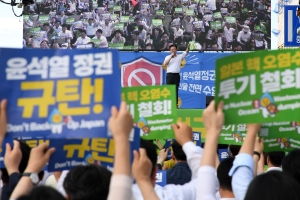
(65, 33)
(83, 39)
(173, 63)
(90, 28)
(274, 160)
(57, 27)
(228, 33)
(103, 41)
(178, 33)
(244, 37)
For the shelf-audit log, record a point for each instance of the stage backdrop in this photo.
(197, 74)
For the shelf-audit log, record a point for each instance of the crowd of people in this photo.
(217, 25)
(193, 173)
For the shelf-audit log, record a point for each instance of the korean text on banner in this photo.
(153, 109)
(62, 93)
(70, 153)
(259, 87)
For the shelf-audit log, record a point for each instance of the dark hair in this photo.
(178, 151)
(150, 150)
(47, 24)
(234, 150)
(64, 25)
(42, 192)
(117, 31)
(273, 185)
(276, 157)
(222, 173)
(25, 149)
(291, 164)
(87, 182)
(141, 27)
(173, 45)
(135, 33)
(83, 31)
(99, 31)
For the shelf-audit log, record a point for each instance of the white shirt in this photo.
(58, 29)
(67, 34)
(174, 64)
(178, 33)
(107, 30)
(91, 29)
(103, 41)
(228, 33)
(242, 37)
(274, 169)
(80, 40)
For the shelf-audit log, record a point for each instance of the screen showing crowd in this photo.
(217, 25)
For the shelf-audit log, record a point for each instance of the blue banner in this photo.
(197, 139)
(59, 93)
(197, 74)
(291, 26)
(70, 153)
(223, 154)
(161, 178)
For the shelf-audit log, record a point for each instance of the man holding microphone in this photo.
(173, 63)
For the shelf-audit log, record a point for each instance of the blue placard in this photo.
(223, 154)
(291, 26)
(59, 93)
(161, 178)
(197, 139)
(70, 153)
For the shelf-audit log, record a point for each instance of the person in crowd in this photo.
(136, 41)
(118, 38)
(180, 173)
(274, 160)
(103, 42)
(83, 39)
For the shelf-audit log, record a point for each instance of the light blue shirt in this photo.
(242, 173)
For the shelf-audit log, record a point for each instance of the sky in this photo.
(11, 27)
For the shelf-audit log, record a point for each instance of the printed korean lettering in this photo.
(284, 60)
(196, 136)
(270, 81)
(145, 109)
(290, 78)
(212, 75)
(84, 64)
(100, 146)
(38, 67)
(165, 92)
(42, 102)
(132, 96)
(185, 76)
(225, 71)
(191, 75)
(213, 90)
(145, 95)
(296, 58)
(253, 63)
(16, 69)
(184, 86)
(59, 67)
(237, 68)
(197, 88)
(241, 127)
(269, 62)
(162, 107)
(204, 75)
(66, 93)
(191, 87)
(228, 127)
(155, 93)
(227, 87)
(35, 143)
(207, 90)
(197, 75)
(80, 148)
(159, 177)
